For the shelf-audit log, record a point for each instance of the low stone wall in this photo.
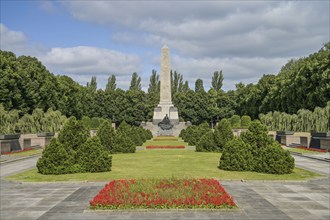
(32, 140)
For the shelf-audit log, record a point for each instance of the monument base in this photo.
(165, 109)
(175, 131)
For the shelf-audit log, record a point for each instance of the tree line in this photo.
(26, 84)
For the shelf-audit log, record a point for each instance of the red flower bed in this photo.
(165, 147)
(18, 151)
(163, 194)
(312, 149)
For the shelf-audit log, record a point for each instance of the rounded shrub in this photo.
(92, 156)
(73, 134)
(123, 144)
(107, 135)
(267, 154)
(235, 121)
(56, 159)
(223, 133)
(236, 156)
(193, 133)
(207, 143)
(245, 121)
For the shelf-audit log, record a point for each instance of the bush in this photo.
(245, 121)
(92, 156)
(267, 154)
(257, 135)
(107, 135)
(73, 134)
(235, 121)
(56, 159)
(207, 143)
(223, 133)
(74, 152)
(236, 156)
(194, 133)
(274, 160)
(123, 144)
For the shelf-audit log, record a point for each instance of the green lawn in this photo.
(163, 164)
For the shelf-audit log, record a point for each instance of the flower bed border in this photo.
(165, 147)
(160, 194)
(17, 151)
(312, 149)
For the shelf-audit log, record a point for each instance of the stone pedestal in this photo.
(162, 110)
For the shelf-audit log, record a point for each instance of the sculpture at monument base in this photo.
(165, 124)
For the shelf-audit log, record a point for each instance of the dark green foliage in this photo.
(135, 82)
(300, 86)
(74, 152)
(123, 144)
(235, 121)
(223, 133)
(92, 156)
(267, 155)
(56, 159)
(257, 135)
(237, 156)
(199, 87)
(273, 159)
(111, 85)
(245, 121)
(217, 80)
(107, 135)
(193, 133)
(207, 143)
(73, 134)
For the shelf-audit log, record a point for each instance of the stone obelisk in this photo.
(165, 106)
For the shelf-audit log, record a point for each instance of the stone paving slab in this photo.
(256, 200)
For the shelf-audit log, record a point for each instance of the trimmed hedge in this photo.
(123, 144)
(207, 143)
(107, 135)
(92, 156)
(194, 133)
(255, 151)
(74, 152)
(237, 156)
(73, 134)
(223, 133)
(56, 159)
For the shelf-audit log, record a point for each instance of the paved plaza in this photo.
(256, 199)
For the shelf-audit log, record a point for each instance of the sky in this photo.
(244, 39)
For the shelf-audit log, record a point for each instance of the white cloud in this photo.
(82, 62)
(12, 40)
(216, 28)
(235, 70)
(47, 6)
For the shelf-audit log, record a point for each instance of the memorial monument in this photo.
(165, 121)
(165, 106)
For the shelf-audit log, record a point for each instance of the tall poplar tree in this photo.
(111, 85)
(135, 82)
(217, 80)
